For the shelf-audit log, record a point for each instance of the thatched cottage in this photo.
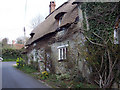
(56, 43)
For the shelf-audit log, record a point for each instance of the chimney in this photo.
(52, 6)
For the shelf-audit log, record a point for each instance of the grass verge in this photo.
(27, 69)
(8, 60)
(52, 79)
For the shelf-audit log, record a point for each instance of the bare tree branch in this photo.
(94, 42)
(101, 64)
(97, 35)
(35, 21)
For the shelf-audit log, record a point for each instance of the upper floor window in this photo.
(34, 44)
(59, 16)
(59, 21)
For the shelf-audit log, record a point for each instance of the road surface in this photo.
(13, 78)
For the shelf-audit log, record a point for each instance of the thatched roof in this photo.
(79, 1)
(50, 24)
(28, 41)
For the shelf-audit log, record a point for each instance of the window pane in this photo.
(58, 54)
(65, 51)
(115, 37)
(62, 53)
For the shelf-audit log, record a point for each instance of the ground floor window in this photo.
(62, 52)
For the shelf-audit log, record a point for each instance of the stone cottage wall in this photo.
(75, 59)
(32, 56)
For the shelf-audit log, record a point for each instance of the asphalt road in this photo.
(13, 78)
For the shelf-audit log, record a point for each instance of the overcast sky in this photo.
(12, 15)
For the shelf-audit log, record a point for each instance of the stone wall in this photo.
(75, 58)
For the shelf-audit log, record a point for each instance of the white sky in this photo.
(12, 15)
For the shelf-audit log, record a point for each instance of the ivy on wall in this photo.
(101, 17)
(98, 29)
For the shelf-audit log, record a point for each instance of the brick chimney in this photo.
(52, 6)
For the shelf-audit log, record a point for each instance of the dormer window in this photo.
(59, 21)
(34, 44)
(59, 16)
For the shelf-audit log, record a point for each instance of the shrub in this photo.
(80, 85)
(28, 69)
(11, 53)
(20, 62)
(63, 77)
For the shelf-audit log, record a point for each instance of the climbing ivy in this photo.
(101, 17)
(98, 26)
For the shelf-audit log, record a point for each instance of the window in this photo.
(59, 16)
(117, 33)
(62, 52)
(59, 21)
(115, 37)
(34, 44)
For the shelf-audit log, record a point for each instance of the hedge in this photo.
(11, 53)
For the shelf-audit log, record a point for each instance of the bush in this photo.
(80, 85)
(28, 69)
(20, 62)
(11, 53)
(63, 77)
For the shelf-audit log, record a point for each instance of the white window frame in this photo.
(116, 35)
(62, 52)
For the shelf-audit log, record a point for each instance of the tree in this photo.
(20, 40)
(36, 20)
(102, 55)
(5, 43)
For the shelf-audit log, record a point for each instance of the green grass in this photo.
(27, 69)
(8, 60)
